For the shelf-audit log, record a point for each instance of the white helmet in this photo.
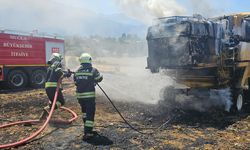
(85, 58)
(56, 57)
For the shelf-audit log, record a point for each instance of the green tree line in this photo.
(98, 46)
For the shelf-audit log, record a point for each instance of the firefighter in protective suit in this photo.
(54, 73)
(85, 79)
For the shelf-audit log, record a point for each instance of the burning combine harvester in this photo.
(203, 54)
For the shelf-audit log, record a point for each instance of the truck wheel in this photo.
(238, 101)
(17, 79)
(38, 78)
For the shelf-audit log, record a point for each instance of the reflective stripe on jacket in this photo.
(85, 95)
(85, 79)
(50, 84)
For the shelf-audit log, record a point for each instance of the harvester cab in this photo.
(203, 53)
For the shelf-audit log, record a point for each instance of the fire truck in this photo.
(23, 57)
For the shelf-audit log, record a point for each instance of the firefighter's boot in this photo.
(90, 135)
(45, 113)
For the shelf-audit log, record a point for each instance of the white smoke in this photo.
(132, 82)
(147, 10)
(197, 99)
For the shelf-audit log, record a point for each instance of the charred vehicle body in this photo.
(203, 53)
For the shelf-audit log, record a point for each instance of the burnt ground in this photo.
(178, 129)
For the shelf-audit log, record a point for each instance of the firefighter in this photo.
(54, 73)
(85, 79)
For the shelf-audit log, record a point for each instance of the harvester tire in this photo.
(17, 79)
(238, 100)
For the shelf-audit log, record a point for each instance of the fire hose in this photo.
(33, 135)
(119, 111)
(126, 122)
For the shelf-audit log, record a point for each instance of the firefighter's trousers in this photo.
(50, 91)
(88, 110)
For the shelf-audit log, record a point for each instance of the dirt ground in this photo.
(182, 130)
(163, 128)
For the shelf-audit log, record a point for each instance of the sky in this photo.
(102, 6)
(227, 6)
(109, 7)
(104, 17)
(98, 6)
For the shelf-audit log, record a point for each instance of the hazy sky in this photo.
(97, 16)
(109, 7)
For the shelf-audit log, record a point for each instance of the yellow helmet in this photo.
(85, 58)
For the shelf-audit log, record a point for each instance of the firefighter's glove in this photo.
(67, 74)
(49, 62)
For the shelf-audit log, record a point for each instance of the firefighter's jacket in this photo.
(54, 73)
(85, 79)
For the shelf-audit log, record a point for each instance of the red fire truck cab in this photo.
(23, 57)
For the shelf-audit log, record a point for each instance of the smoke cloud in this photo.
(199, 100)
(147, 10)
(131, 82)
